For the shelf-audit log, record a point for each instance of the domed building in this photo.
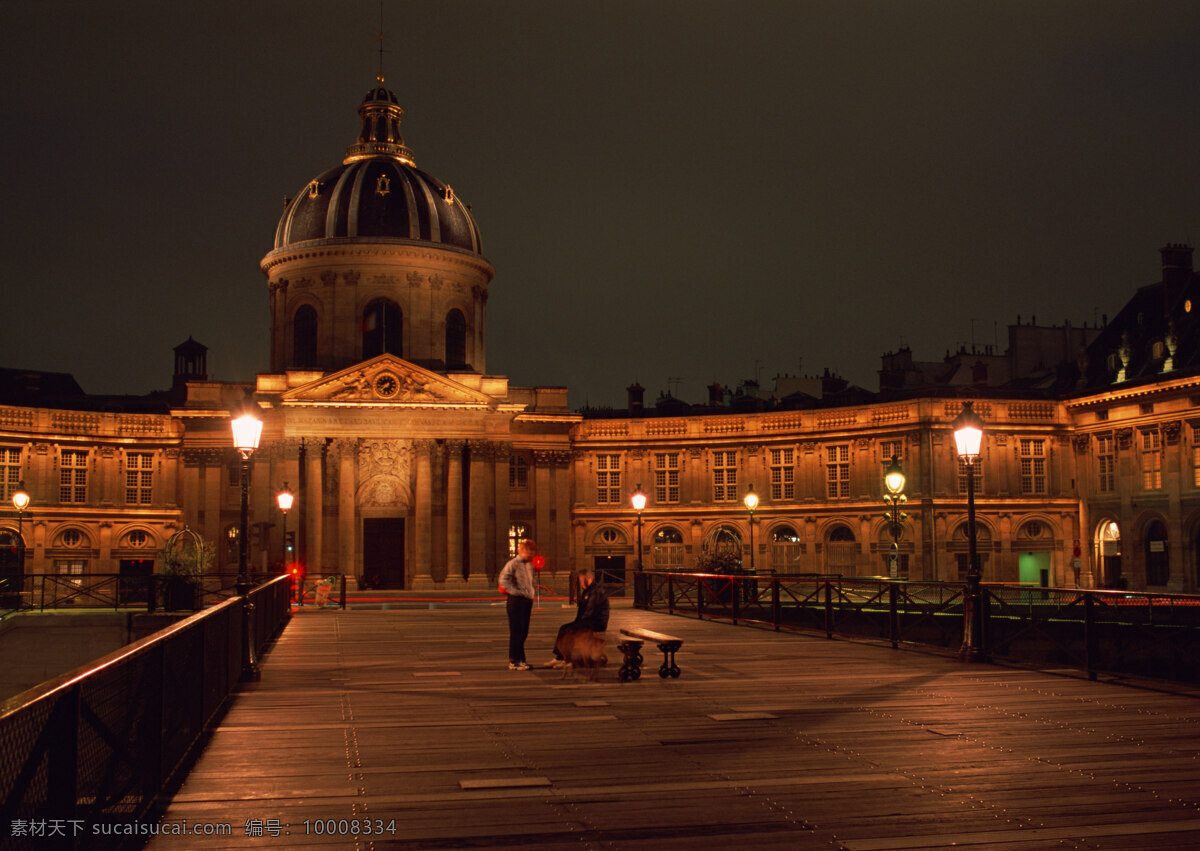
(375, 256)
(412, 466)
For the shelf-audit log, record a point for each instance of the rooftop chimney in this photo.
(635, 392)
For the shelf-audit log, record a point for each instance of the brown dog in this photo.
(582, 648)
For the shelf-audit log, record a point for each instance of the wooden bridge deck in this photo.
(410, 717)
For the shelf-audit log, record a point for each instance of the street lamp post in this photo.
(638, 499)
(284, 500)
(20, 501)
(968, 436)
(751, 503)
(247, 431)
(893, 482)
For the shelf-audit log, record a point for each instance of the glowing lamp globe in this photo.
(968, 433)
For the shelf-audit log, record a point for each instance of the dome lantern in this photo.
(380, 113)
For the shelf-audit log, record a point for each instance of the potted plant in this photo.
(185, 558)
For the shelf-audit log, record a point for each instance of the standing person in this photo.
(591, 613)
(516, 580)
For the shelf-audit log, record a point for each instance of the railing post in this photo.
(343, 590)
(671, 593)
(62, 764)
(700, 599)
(893, 614)
(1089, 635)
(775, 602)
(828, 609)
(735, 597)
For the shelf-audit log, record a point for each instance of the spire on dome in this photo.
(380, 113)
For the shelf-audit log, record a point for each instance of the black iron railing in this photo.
(159, 592)
(97, 745)
(1120, 632)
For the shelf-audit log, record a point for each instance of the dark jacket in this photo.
(593, 608)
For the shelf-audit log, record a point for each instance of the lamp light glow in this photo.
(968, 433)
(893, 477)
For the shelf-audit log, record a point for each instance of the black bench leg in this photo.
(669, 668)
(631, 667)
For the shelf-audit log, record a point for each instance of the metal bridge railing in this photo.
(1119, 632)
(101, 742)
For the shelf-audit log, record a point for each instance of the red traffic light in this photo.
(538, 562)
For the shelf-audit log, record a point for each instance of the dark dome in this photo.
(378, 192)
(378, 197)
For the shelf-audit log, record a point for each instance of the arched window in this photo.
(456, 340)
(960, 546)
(231, 544)
(785, 549)
(1108, 555)
(517, 532)
(304, 337)
(667, 546)
(381, 331)
(1158, 570)
(841, 551)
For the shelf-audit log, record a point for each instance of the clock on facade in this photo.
(386, 385)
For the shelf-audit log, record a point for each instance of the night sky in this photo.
(693, 190)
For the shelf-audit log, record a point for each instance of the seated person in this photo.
(591, 614)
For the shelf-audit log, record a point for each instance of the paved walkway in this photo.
(409, 721)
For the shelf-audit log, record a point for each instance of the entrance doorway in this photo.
(133, 586)
(1034, 569)
(383, 552)
(610, 572)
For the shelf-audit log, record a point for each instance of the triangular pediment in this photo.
(387, 380)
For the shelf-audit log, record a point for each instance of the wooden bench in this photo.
(631, 647)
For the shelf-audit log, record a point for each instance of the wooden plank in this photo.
(771, 740)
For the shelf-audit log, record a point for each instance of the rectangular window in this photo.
(1106, 464)
(977, 467)
(72, 476)
(1033, 465)
(668, 556)
(1196, 456)
(783, 473)
(139, 475)
(724, 476)
(608, 479)
(837, 471)
(1151, 460)
(889, 449)
(518, 472)
(10, 472)
(666, 477)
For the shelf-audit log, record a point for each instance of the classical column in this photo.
(346, 452)
(167, 495)
(543, 500)
(314, 497)
(499, 542)
(213, 479)
(562, 511)
(423, 545)
(455, 568)
(478, 500)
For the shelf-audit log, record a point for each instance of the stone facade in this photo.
(415, 468)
